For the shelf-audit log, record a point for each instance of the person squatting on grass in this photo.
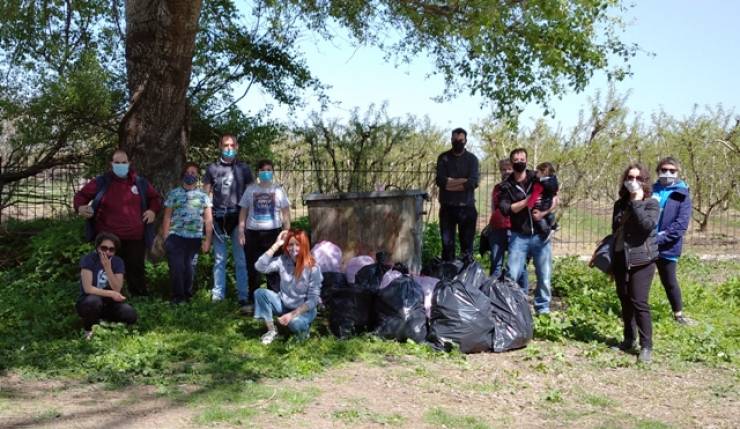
(101, 281)
(634, 220)
(300, 286)
(265, 211)
(675, 215)
(187, 209)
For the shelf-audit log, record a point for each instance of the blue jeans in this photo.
(499, 240)
(219, 264)
(267, 304)
(523, 245)
(180, 253)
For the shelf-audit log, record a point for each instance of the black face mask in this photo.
(519, 166)
(458, 146)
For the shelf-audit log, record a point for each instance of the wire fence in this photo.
(49, 195)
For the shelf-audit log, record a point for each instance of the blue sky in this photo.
(696, 61)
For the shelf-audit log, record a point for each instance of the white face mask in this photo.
(293, 252)
(668, 178)
(632, 186)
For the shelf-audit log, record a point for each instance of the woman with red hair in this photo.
(300, 286)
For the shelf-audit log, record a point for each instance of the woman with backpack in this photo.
(634, 220)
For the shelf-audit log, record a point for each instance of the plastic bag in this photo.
(328, 256)
(472, 275)
(443, 270)
(427, 287)
(332, 280)
(370, 276)
(511, 315)
(355, 264)
(350, 308)
(461, 315)
(388, 277)
(400, 311)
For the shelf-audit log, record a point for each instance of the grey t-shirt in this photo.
(228, 182)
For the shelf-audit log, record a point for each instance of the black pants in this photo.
(93, 308)
(633, 290)
(257, 243)
(133, 253)
(180, 252)
(667, 273)
(454, 219)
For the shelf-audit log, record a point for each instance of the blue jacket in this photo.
(675, 215)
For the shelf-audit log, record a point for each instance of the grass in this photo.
(440, 417)
(212, 348)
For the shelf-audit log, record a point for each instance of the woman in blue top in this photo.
(675, 215)
(300, 286)
(186, 210)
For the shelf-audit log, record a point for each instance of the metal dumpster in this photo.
(363, 223)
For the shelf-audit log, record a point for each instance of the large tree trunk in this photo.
(160, 40)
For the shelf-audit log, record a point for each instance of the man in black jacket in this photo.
(457, 177)
(516, 191)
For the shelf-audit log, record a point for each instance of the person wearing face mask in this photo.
(517, 201)
(457, 176)
(187, 210)
(500, 229)
(635, 250)
(675, 215)
(125, 204)
(225, 182)
(299, 289)
(265, 211)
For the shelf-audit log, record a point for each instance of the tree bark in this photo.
(155, 131)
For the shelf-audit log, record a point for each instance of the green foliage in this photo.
(592, 313)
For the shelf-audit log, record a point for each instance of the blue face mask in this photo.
(228, 153)
(120, 170)
(189, 179)
(265, 176)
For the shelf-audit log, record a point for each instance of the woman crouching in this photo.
(635, 251)
(300, 286)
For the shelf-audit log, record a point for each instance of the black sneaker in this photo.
(625, 346)
(683, 320)
(246, 308)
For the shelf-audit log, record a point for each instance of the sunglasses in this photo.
(638, 178)
(668, 170)
(108, 249)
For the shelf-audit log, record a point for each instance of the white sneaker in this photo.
(269, 337)
(88, 335)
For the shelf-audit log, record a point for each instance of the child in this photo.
(544, 191)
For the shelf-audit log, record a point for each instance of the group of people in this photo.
(253, 215)
(648, 224)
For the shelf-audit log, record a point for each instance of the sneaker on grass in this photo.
(268, 337)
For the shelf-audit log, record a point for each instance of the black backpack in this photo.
(102, 183)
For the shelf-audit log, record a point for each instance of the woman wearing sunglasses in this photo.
(635, 251)
(300, 286)
(101, 281)
(675, 215)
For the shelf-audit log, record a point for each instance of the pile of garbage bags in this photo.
(451, 304)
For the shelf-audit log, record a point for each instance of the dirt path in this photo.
(546, 385)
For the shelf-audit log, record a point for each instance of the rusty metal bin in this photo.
(362, 223)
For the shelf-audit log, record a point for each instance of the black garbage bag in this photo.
(443, 270)
(461, 315)
(332, 280)
(350, 310)
(472, 275)
(512, 318)
(370, 276)
(400, 311)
